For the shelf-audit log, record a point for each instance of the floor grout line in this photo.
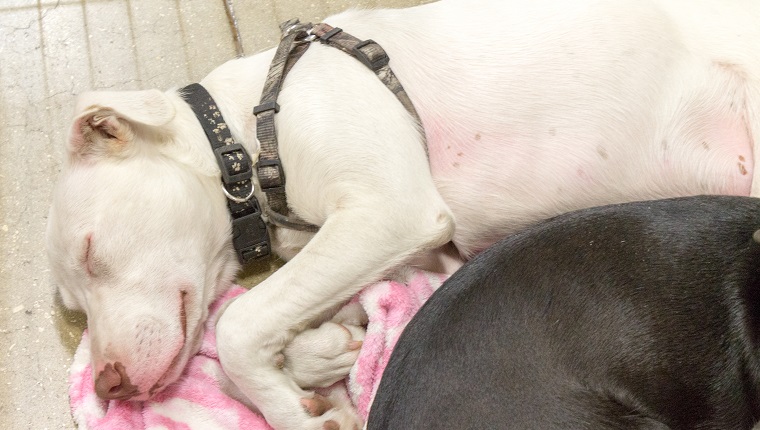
(138, 63)
(90, 65)
(46, 72)
(183, 35)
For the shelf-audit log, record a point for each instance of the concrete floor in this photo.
(49, 52)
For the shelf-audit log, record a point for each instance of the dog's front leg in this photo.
(353, 247)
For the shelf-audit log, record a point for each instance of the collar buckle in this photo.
(250, 236)
(235, 163)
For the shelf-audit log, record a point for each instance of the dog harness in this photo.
(250, 236)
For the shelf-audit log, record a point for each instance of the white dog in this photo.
(530, 108)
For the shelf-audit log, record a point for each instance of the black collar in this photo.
(249, 232)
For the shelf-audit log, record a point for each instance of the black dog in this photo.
(633, 316)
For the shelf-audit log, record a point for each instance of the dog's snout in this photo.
(113, 383)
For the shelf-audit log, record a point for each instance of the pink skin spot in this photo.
(732, 133)
(742, 169)
(445, 146)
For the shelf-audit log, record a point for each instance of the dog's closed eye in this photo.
(92, 264)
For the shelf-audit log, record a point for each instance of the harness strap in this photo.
(372, 55)
(296, 38)
(269, 167)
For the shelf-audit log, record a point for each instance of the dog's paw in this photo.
(333, 412)
(322, 356)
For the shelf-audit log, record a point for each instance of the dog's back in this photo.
(642, 315)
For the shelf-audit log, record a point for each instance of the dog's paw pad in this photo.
(331, 425)
(340, 420)
(317, 405)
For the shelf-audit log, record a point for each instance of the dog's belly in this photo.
(498, 183)
(644, 123)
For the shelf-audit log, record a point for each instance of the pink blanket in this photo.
(197, 400)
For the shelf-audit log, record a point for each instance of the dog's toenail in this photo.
(355, 344)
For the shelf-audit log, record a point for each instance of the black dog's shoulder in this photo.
(656, 302)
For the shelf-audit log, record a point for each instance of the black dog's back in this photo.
(641, 315)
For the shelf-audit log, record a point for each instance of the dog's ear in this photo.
(106, 121)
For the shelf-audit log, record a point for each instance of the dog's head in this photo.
(139, 237)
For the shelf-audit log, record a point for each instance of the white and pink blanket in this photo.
(197, 399)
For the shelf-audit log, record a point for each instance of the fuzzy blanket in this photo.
(198, 400)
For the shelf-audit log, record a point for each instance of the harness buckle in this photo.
(270, 182)
(295, 26)
(264, 107)
(228, 163)
(250, 236)
(326, 37)
(374, 59)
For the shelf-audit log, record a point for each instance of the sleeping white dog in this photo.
(530, 108)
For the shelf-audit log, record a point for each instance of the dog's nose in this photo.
(113, 383)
